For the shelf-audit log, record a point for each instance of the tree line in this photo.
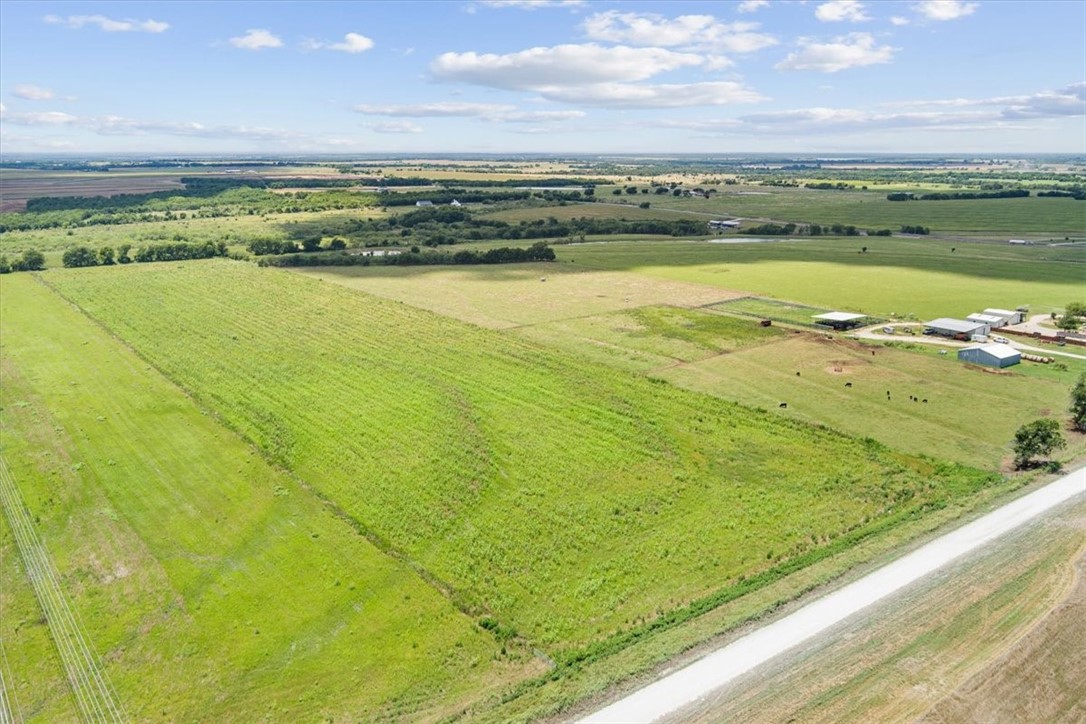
(83, 256)
(416, 257)
(959, 195)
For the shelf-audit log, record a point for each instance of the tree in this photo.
(1069, 322)
(79, 256)
(1078, 404)
(122, 253)
(31, 260)
(105, 255)
(5, 265)
(1035, 439)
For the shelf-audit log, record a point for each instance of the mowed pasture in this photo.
(513, 295)
(566, 502)
(936, 405)
(576, 210)
(1032, 216)
(927, 278)
(212, 585)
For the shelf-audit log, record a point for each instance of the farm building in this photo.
(454, 202)
(956, 328)
(1015, 317)
(990, 355)
(721, 225)
(839, 320)
(991, 320)
(1020, 242)
(424, 203)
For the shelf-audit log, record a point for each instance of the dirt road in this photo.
(699, 679)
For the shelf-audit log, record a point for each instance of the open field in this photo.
(33, 676)
(1050, 217)
(515, 294)
(16, 189)
(964, 646)
(234, 230)
(211, 584)
(970, 414)
(896, 277)
(596, 210)
(334, 395)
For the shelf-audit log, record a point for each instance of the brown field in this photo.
(1038, 679)
(16, 188)
(997, 638)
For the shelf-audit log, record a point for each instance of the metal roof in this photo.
(986, 318)
(1000, 351)
(839, 316)
(1002, 312)
(954, 325)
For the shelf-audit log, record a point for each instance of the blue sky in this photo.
(921, 76)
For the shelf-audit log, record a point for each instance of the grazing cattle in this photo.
(925, 400)
(783, 404)
(797, 374)
(848, 384)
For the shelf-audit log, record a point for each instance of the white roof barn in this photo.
(990, 355)
(990, 319)
(953, 327)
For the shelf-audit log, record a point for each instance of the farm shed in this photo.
(424, 203)
(454, 202)
(990, 355)
(956, 328)
(725, 224)
(839, 320)
(1015, 317)
(991, 320)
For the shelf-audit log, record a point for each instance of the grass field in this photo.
(1049, 217)
(597, 210)
(970, 416)
(211, 584)
(513, 295)
(497, 441)
(898, 277)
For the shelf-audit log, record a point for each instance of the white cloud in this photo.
(352, 43)
(256, 39)
(111, 125)
(434, 110)
(537, 116)
(945, 9)
(559, 66)
(1067, 101)
(109, 25)
(852, 51)
(898, 20)
(837, 11)
(684, 31)
(33, 92)
(632, 95)
(750, 6)
(486, 111)
(397, 127)
(955, 114)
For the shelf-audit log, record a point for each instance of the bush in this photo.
(79, 256)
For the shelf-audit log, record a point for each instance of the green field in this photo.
(211, 584)
(1050, 217)
(497, 440)
(895, 277)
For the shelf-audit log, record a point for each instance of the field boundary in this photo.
(94, 694)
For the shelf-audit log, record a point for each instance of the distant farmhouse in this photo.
(424, 203)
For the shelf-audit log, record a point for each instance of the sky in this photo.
(543, 76)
